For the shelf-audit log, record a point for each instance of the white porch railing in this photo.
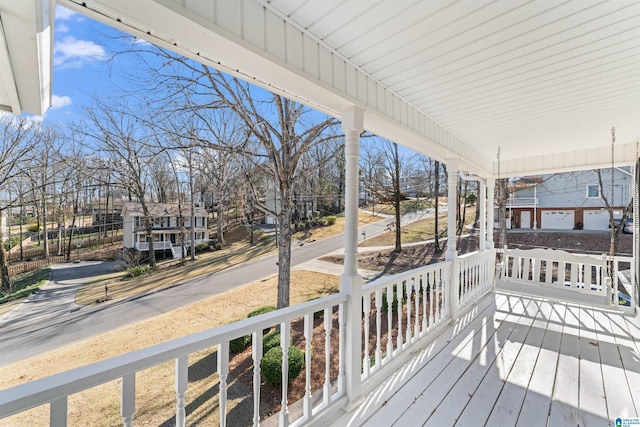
(400, 313)
(56, 389)
(157, 246)
(515, 202)
(476, 272)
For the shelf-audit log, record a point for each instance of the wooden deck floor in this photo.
(516, 360)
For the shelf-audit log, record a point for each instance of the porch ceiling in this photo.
(26, 29)
(543, 80)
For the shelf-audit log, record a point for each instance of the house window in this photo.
(593, 191)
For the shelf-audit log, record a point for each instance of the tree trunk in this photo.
(220, 224)
(4, 268)
(284, 249)
(396, 191)
(152, 251)
(45, 236)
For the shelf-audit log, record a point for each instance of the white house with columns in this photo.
(171, 227)
(491, 89)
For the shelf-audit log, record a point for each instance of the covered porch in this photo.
(492, 91)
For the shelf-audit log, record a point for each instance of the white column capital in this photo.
(353, 120)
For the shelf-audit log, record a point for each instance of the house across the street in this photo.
(569, 200)
(171, 227)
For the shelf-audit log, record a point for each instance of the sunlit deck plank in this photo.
(461, 375)
(616, 385)
(535, 407)
(480, 406)
(524, 360)
(564, 407)
(507, 407)
(436, 354)
(591, 397)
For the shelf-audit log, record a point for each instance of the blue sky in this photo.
(81, 65)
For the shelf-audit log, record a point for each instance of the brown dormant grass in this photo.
(155, 401)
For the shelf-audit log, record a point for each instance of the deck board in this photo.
(521, 361)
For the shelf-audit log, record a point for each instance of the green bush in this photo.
(33, 228)
(271, 365)
(330, 220)
(270, 340)
(239, 344)
(201, 247)
(261, 310)
(138, 270)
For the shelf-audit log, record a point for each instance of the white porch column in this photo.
(491, 187)
(452, 182)
(482, 205)
(452, 253)
(350, 281)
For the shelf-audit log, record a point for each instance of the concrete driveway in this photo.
(56, 298)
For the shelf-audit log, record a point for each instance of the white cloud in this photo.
(73, 53)
(60, 101)
(62, 28)
(63, 14)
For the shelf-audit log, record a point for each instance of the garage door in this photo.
(557, 220)
(598, 220)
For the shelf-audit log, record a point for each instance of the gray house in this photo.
(569, 200)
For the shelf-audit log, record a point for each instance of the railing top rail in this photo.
(38, 392)
(388, 280)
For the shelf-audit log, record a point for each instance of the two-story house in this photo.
(569, 200)
(171, 230)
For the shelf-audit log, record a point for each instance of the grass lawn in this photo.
(417, 231)
(171, 273)
(406, 206)
(331, 230)
(23, 285)
(155, 402)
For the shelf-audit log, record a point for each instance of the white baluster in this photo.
(432, 295)
(367, 312)
(285, 337)
(416, 293)
(424, 283)
(378, 326)
(389, 322)
(308, 336)
(399, 288)
(58, 412)
(128, 399)
(223, 373)
(256, 353)
(342, 344)
(328, 323)
(182, 381)
(407, 286)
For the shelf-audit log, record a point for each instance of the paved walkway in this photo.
(57, 297)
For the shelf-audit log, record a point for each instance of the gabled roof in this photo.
(26, 49)
(159, 210)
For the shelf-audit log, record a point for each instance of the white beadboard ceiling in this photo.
(543, 80)
(25, 55)
(530, 76)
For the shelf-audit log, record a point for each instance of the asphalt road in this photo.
(26, 339)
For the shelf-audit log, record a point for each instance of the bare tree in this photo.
(607, 197)
(16, 142)
(278, 132)
(118, 132)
